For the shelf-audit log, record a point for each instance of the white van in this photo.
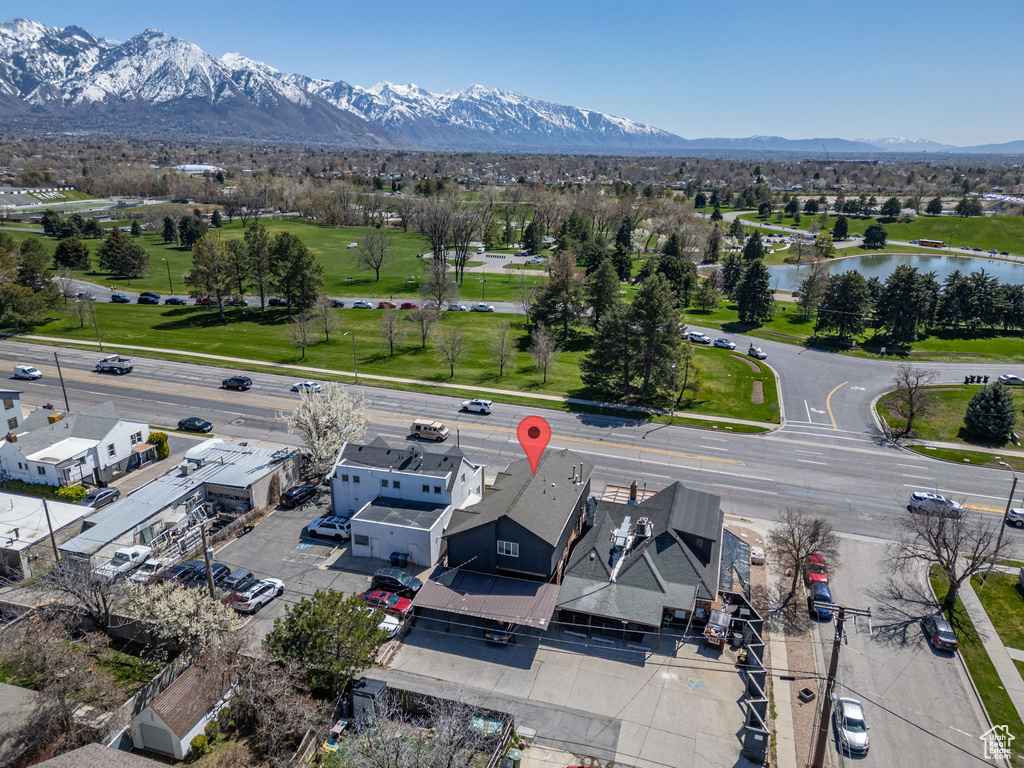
(27, 372)
(427, 429)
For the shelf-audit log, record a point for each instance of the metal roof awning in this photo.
(142, 447)
(498, 598)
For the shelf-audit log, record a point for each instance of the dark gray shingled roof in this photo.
(540, 503)
(377, 454)
(99, 756)
(36, 433)
(499, 598)
(661, 571)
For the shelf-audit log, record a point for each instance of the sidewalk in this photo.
(997, 652)
(397, 380)
(978, 448)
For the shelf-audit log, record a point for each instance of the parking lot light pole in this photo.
(355, 362)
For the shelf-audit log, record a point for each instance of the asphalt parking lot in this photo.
(280, 548)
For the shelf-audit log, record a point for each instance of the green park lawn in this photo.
(196, 329)
(945, 421)
(1004, 233)
(342, 276)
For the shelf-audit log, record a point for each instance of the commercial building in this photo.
(25, 544)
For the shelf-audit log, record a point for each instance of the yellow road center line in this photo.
(828, 403)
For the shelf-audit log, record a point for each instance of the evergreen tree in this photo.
(754, 296)
(134, 260)
(216, 219)
(50, 221)
(190, 229)
(713, 246)
(1012, 303)
(681, 274)
(732, 272)
(824, 248)
(622, 263)
(955, 305)
(624, 236)
(903, 305)
(754, 248)
(109, 252)
(934, 207)
(716, 215)
(261, 263)
(991, 413)
(673, 246)
(73, 253)
(841, 229)
(136, 229)
(559, 302)
(170, 230)
(844, 305)
(700, 200)
(608, 370)
(736, 230)
(92, 228)
(602, 290)
(874, 236)
(657, 334)
(986, 300)
(299, 276)
(707, 295)
(532, 238)
(33, 266)
(811, 206)
(891, 208)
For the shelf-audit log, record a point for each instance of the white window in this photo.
(508, 548)
(137, 438)
(111, 451)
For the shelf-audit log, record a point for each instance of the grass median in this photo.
(995, 698)
(731, 378)
(945, 420)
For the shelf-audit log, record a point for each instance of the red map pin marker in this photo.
(534, 433)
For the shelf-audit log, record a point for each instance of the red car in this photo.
(817, 570)
(388, 602)
(386, 305)
(206, 301)
(409, 305)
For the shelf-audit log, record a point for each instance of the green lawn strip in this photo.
(1004, 233)
(997, 702)
(1004, 605)
(730, 380)
(975, 458)
(945, 421)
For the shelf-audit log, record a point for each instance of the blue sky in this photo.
(933, 69)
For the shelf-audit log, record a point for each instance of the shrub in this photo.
(212, 731)
(159, 439)
(199, 744)
(224, 718)
(71, 493)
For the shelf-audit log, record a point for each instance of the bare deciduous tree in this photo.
(373, 251)
(451, 347)
(391, 330)
(434, 220)
(502, 347)
(425, 316)
(437, 286)
(301, 331)
(325, 316)
(543, 350)
(797, 535)
(961, 545)
(83, 309)
(464, 225)
(66, 283)
(326, 420)
(96, 599)
(912, 395)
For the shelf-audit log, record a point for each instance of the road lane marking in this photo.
(957, 493)
(828, 404)
(808, 461)
(916, 477)
(813, 453)
(831, 436)
(911, 466)
(808, 408)
(740, 488)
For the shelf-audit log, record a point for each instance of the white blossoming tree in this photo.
(326, 420)
(187, 618)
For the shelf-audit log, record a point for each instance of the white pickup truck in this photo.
(115, 364)
(122, 563)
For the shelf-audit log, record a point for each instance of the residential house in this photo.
(17, 707)
(65, 448)
(12, 414)
(180, 713)
(25, 543)
(215, 476)
(645, 564)
(99, 756)
(399, 500)
(525, 523)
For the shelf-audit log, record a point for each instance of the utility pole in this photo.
(49, 525)
(833, 667)
(61, 375)
(206, 557)
(1009, 505)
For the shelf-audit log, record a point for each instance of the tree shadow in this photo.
(898, 608)
(785, 613)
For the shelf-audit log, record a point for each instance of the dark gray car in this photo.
(237, 577)
(397, 581)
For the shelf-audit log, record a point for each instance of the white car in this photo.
(388, 624)
(757, 352)
(146, 571)
(337, 528)
(698, 337)
(1015, 517)
(306, 386)
(457, 307)
(851, 730)
(536, 260)
(253, 595)
(362, 304)
(481, 249)
(482, 307)
(352, 245)
(477, 406)
(725, 344)
(933, 503)
(1010, 380)
(27, 372)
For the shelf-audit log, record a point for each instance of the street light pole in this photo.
(92, 309)
(672, 416)
(1002, 527)
(355, 362)
(168, 265)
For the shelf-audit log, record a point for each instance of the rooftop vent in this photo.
(621, 536)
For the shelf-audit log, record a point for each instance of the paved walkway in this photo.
(979, 449)
(997, 652)
(397, 380)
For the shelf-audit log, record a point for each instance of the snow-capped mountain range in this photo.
(155, 84)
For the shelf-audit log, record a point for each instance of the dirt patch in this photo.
(753, 366)
(757, 395)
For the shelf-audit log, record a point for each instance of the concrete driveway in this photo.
(677, 708)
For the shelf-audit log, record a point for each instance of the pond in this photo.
(787, 277)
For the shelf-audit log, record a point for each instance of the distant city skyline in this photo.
(935, 70)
